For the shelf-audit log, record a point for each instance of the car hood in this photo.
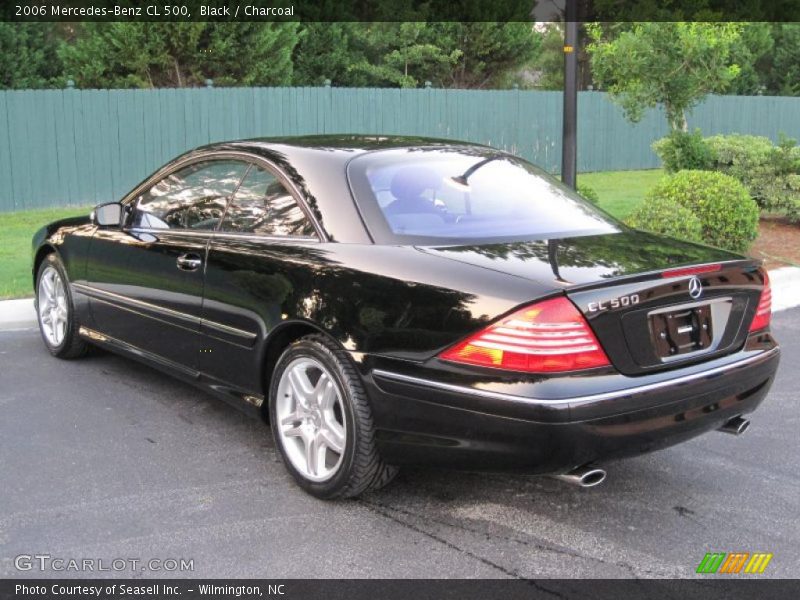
(583, 260)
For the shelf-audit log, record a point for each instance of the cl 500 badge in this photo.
(622, 301)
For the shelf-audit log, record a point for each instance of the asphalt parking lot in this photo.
(103, 458)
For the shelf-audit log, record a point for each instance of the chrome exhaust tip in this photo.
(736, 426)
(585, 476)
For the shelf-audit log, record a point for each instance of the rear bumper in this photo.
(486, 427)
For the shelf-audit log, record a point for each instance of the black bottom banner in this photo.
(384, 589)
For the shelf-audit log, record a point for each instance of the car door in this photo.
(258, 264)
(145, 279)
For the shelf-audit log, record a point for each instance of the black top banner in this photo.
(399, 10)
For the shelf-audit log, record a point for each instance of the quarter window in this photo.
(193, 197)
(263, 206)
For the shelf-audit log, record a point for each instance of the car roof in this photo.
(344, 144)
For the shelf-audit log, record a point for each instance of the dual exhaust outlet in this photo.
(590, 475)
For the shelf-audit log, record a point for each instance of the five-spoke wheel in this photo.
(322, 422)
(56, 314)
(52, 306)
(311, 422)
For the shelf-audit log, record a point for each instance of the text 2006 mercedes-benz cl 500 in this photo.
(385, 301)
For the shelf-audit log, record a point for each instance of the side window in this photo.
(262, 205)
(191, 198)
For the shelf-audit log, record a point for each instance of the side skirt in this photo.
(247, 403)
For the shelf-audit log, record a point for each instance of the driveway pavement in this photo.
(103, 458)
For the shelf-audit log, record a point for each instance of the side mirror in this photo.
(107, 215)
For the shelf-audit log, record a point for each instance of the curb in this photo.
(785, 288)
(19, 314)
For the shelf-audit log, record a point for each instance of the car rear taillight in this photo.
(546, 337)
(764, 310)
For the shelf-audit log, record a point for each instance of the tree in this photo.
(674, 64)
(460, 55)
(404, 55)
(325, 51)
(487, 51)
(131, 54)
(784, 76)
(249, 53)
(753, 53)
(29, 55)
(549, 61)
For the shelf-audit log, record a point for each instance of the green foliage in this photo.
(683, 150)
(550, 59)
(589, 193)
(137, 54)
(406, 54)
(781, 193)
(668, 217)
(745, 157)
(548, 62)
(487, 50)
(769, 57)
(753, 53)
(727, 213)
(248, 53)
(674, 64)
(325, 51)
(783, 78)
(771, 173)
(29, 56)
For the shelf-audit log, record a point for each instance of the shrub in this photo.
(770, 173)
(667, 217)
(781, 191)
(589, 193)
(682, 150)
(745, 157)
(727, 213)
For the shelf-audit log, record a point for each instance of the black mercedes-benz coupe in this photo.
(385, 301)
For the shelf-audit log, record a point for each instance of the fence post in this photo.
(210, 83)
(327, 115)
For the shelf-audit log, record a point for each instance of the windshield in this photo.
(461, 195)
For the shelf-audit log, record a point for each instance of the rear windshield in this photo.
(463, 195)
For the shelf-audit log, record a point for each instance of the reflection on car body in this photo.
(386, 301)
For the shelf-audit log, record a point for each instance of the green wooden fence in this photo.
(70, 146)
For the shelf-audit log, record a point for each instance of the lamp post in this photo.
(569, 138)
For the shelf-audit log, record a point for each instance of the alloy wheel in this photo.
(53, 311)
(311, 424)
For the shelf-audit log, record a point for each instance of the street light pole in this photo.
(569, 138)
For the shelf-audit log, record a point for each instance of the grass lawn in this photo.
(621, 191)
(16, 231)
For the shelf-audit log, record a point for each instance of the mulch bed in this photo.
(777, 244)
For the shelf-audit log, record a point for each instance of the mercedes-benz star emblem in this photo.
(695, 288)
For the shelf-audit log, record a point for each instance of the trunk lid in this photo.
(644, 320)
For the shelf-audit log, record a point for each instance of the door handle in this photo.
(189, 262)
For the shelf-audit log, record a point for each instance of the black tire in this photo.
(71, 346)
(361, 468)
